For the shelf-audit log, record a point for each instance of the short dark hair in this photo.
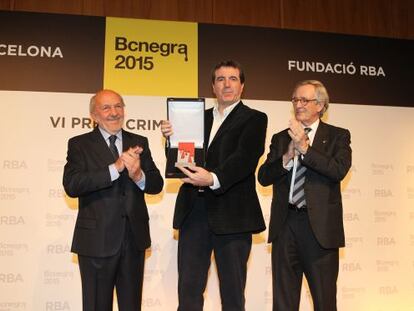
(228, 63)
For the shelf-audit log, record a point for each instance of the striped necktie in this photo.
(113, 147)
(298, 194)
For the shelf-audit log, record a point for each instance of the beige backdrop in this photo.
(38, 271)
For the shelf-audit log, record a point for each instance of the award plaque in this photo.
(185, 146)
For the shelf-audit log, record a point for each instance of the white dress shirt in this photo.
(218, 120)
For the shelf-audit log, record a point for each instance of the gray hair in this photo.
(321, 93)
(92, 104)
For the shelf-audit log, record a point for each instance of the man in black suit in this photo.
(109, 170)
(306, 225)
(217, 207)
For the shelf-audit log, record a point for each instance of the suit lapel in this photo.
(235, 116)
(126, 141)
(321, 136)
(285, 141)
(101, 146)
(208, 119)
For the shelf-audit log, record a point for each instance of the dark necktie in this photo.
(298, 195)
(113, 147)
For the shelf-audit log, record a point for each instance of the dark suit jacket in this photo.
(328, 161)
(103, 204)
(233, 156)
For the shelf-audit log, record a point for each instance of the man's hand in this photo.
(119, 165)
(198, 176)
(299, 138)
(290, 154)
(166, 128)
(132, 161)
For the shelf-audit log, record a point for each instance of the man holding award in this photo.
(217, 208)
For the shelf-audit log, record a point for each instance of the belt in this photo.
(297, 209)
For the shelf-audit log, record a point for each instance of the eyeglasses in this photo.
(302, 100)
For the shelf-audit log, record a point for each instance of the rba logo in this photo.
(11, 278)
(351, 217)
(388, 290)
(385, 241)
(57, 249)
(382, 193)
(57, 305)
(351, 267)
(151, 302)
(11, 220)
(14, 164)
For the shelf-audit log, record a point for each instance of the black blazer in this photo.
(233, 156)
(328, 161)
(103, 204)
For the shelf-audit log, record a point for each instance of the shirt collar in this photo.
(106, 135)
(226, 111)
(313, 126)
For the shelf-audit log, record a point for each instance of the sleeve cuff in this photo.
(216, 182)
(289, 165)
(113, 171)
(141, 183)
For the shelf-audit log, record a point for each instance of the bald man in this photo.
(109, 170)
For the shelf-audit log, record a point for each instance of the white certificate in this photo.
(186, 116)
